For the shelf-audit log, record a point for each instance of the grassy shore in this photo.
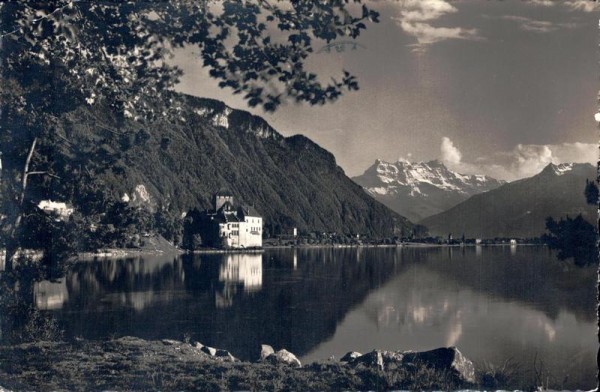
(134, 364)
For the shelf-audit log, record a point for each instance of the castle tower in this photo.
(222, 198)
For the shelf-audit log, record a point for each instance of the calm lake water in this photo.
(493, 303)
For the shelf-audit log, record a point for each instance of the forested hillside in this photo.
(291, 181)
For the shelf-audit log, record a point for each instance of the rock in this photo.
(285, 357)
(225, 355)
(170, 342)
(209, 350)
(380, 359)
(198, 345)
(265, 351)
(372, 358)
(350, 355)
(445, 358)
(392, 359)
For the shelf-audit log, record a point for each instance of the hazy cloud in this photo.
(525, 160)
(537, 26)
(578, 5)
(416, 17)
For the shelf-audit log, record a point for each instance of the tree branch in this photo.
(42, 172)
(38, 19)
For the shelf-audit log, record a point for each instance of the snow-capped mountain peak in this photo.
(561, 168)
(431, 182)
(433, 173)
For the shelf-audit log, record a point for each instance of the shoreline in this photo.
(120, 252)
(130, 363)
(115, 253)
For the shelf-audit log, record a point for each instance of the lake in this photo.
(493, 303)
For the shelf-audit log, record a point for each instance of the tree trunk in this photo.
(12, 242)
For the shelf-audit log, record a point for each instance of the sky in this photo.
(496, 87)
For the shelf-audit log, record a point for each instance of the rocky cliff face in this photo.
(420, 189)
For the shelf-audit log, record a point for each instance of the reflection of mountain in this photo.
(291, 300)
(528, 274)
(421, 308)
(298, 306)
(307, 295)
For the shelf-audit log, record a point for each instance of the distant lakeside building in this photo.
(226, 226)
(56, 207)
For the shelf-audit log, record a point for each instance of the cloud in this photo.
(416, 17)
(583, 5)
(575, 5)
(525, 160)
(537, 26)
(450, 154)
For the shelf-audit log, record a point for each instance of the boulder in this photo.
(284, 357)
(445, 358)
(381, 359)
(350, 355)
(170, 342)
(209, 350)
(265, 351)
(225, 355)
(392, 359)
(371, 359)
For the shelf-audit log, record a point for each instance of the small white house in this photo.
(60, 208)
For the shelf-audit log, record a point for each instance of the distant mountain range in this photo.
(520, 208)
(291, 181)
(417, 190)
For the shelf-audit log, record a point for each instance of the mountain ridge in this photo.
(208, 147)
(420, 189)
(519, 208)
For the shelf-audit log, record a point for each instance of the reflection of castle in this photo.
(235, 270)
(242, 268)
(230, 227)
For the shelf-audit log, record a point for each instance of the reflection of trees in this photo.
(130, 283)
(20, 320)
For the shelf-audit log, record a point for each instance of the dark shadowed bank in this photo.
(134, 364)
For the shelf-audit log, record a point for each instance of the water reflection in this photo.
(243, 270)
(50, 295)
(526, 306)
(492, 302)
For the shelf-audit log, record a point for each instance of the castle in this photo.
(228, 226)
